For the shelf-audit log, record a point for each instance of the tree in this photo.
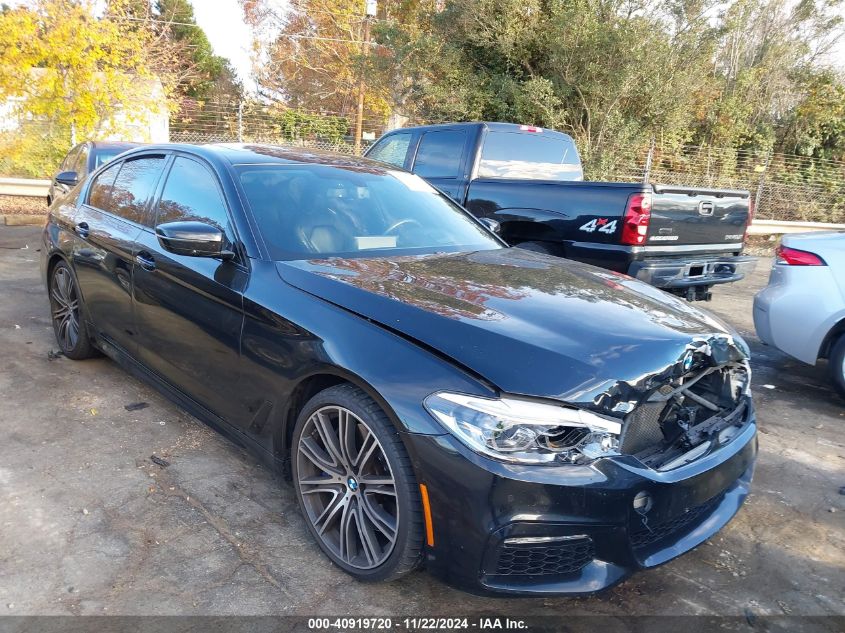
(70, 73)
(615, 72)
(315, 57)
(209, 77)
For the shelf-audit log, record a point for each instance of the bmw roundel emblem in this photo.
(688, 361)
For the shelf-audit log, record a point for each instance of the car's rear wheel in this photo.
(355, 485)
(66, 312)
(836, 365)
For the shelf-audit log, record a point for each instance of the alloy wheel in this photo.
(347, 487)
(65, 308)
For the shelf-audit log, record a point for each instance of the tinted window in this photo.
(440, 153)
(317, 211)
(391, 150)
(80, 165)
(191, 193)
(67, 163)
(529, 155)
(101, 188)
(133, 188)
(102, 156)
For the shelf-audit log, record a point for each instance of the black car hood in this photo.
(529, 323)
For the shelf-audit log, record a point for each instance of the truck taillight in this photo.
(530, 128)
(637, 217)
(793, 257)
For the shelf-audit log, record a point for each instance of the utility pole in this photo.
(359, 118)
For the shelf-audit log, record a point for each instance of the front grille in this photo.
(642, 428)
(546, 559)
(644, 536)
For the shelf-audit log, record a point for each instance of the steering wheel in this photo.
(396, 225)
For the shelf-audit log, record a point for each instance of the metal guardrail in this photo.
(24, 187)
(778, 227)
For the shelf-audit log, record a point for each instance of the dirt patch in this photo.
(22, 205)
(761, 245)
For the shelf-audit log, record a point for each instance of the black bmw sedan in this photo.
(517, 423)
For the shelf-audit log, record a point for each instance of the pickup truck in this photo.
(527, 184)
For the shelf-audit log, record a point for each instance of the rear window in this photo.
(529, 156)
(103, 156)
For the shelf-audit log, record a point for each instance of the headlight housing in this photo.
(524, 431)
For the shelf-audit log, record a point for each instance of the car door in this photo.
(106, 225)
(441, 158)
(189, 310)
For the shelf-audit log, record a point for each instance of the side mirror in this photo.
(493, 225)
(67, 178)
(195, 239)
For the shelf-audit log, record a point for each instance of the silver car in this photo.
(802, 310)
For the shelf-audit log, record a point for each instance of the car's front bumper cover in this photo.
(569, 530)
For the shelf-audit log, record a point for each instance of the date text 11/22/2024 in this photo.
(416, 623)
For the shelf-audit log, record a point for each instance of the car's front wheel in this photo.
(66, 312)
(836, 365)
(355, 485)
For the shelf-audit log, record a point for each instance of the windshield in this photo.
(319, 211)
(529, 156)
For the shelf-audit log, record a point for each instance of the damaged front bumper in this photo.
(510, 529)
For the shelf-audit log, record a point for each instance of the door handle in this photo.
(145, 260)
(82, 229)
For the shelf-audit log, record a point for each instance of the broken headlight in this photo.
(524, 431)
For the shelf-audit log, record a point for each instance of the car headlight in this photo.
(524, 431)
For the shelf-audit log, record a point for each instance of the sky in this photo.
(223, 23)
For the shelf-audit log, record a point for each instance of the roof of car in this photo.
(253, 153)
(495, 126)
(114, 144)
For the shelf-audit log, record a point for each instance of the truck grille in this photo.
(546, 559)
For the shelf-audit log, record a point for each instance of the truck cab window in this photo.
(392, 150)
(529, 156)
(440, 153)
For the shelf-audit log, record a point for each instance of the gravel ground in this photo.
(90, 524)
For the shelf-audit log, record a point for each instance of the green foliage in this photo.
(65, 72)
(208, 76)
(617, 72)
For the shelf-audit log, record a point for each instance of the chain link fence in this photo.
(783, 186)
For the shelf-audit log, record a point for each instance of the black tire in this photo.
(66, 314)
(389, 560)
(836, 365)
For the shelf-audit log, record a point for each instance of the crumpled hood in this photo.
(529, 323)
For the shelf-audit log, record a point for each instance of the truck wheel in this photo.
(836, 365)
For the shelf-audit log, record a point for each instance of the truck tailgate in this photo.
(687, 215)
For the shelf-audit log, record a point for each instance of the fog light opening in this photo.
(642, 503)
